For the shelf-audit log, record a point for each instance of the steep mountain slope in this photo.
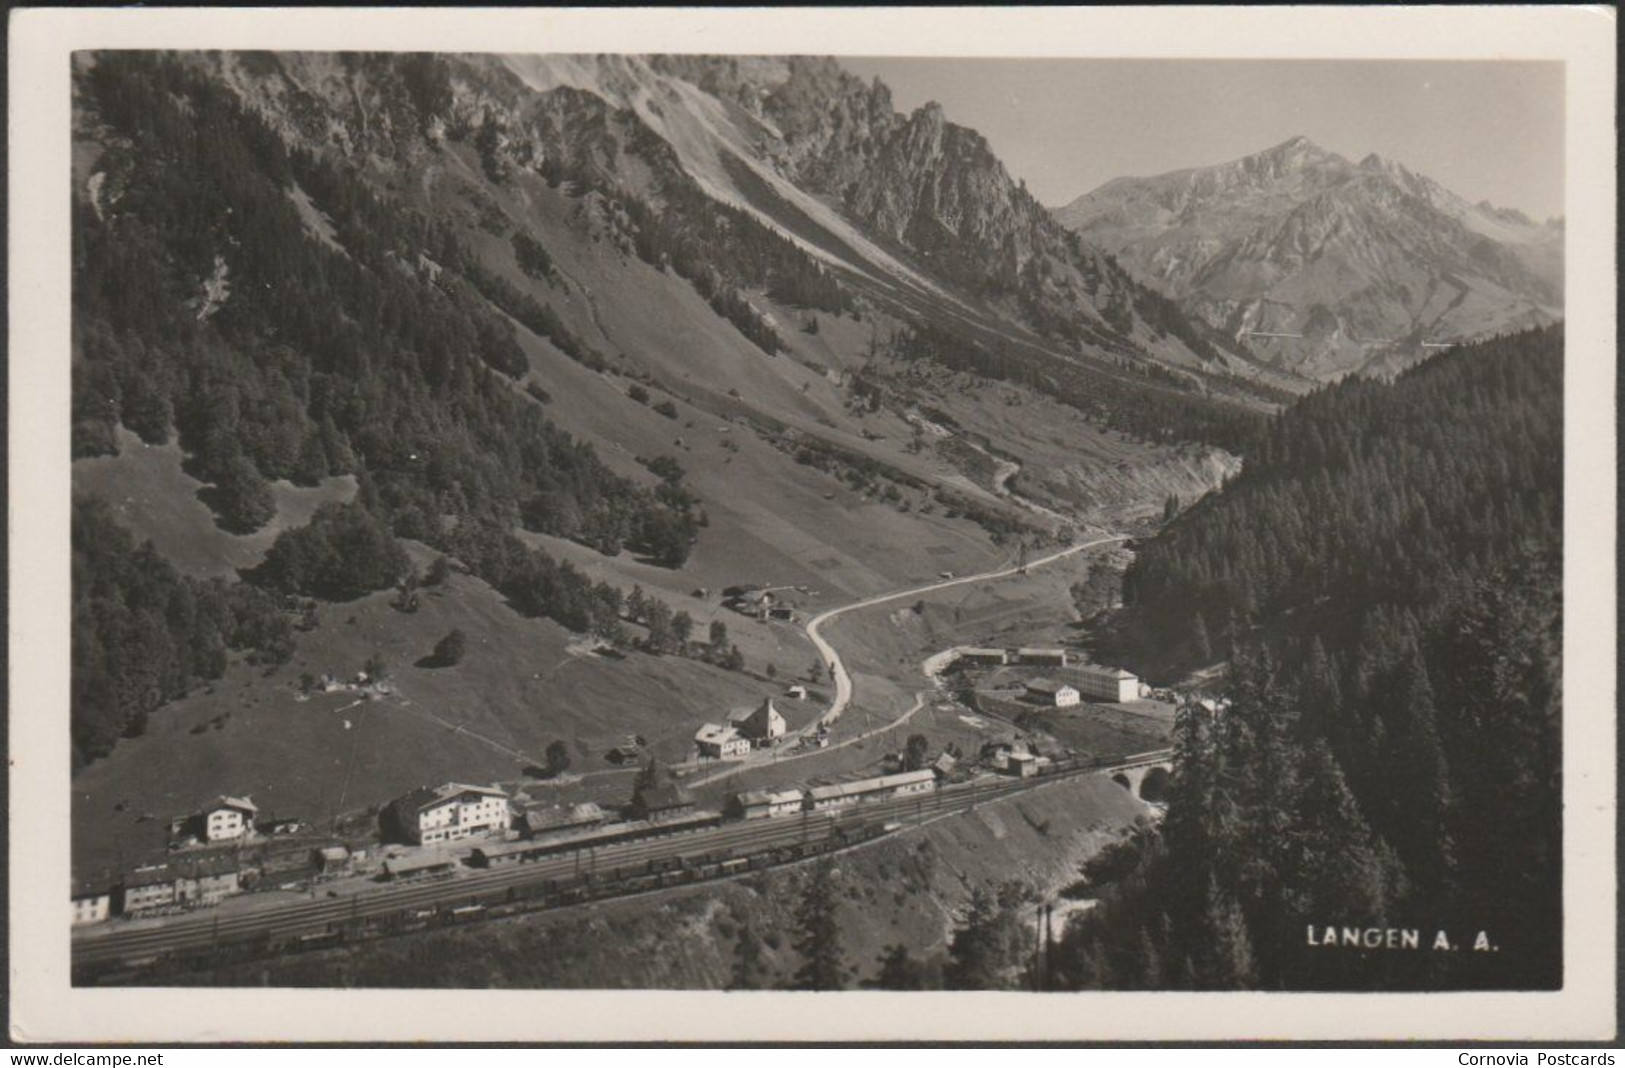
(1362, 262)
(525, 330)
(913, 204)
(1383, 578)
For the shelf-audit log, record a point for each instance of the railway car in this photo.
(503, 854)
(317, 940)
(421, 868)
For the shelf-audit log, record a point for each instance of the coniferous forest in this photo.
(1385, 579)
(322, 362)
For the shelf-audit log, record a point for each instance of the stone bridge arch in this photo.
(1132, 778)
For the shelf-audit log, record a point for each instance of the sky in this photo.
(1484, 129)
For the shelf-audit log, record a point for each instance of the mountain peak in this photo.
(1300, 244)
(1293, 154)
(1374, 162)
(1296, 145)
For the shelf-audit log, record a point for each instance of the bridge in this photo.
(1131, 772)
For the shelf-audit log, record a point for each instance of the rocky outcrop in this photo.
(1364, 261)
(913, 201)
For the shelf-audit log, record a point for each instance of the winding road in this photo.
(843, 680)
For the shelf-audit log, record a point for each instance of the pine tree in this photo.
(1339, 869)
(438, 571)
(749, 970)
(658, 618)
(651, 774)
(1230, 962)
(1320, 697)
(1422, 778)
(245, 503)
(1261, 762)
(1201, 644)
(1188, 825)
(818, 938)
(682, 629)
(1150, 962)
(972, 951)
(899, 970)
(989, 949)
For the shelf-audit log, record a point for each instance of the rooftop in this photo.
(769, 797)
(544, 817)
(429, 796)
(1099, 672)
(241, 804)
(741, 715)
(198, 865)
(716, 733)
(151, 875)
(864, 786)
(663, 795)
(419, 862)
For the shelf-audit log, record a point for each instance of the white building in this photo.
(840, 795)
(756, 804)
(92, 902)
(909, 782)
(228, 818)
(206, 879)
(718, 742)
(762, 725)
(432, 814)
(1107, 684)
(148, 887)
(1022, 764)
(1052, 693)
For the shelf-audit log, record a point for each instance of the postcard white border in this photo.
(46, 1008)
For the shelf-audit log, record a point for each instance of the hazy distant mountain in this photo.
(1367, 261)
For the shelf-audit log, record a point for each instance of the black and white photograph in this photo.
(740, 520)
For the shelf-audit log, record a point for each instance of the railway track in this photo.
(612, 864)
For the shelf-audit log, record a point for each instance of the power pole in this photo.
(1049, 945)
